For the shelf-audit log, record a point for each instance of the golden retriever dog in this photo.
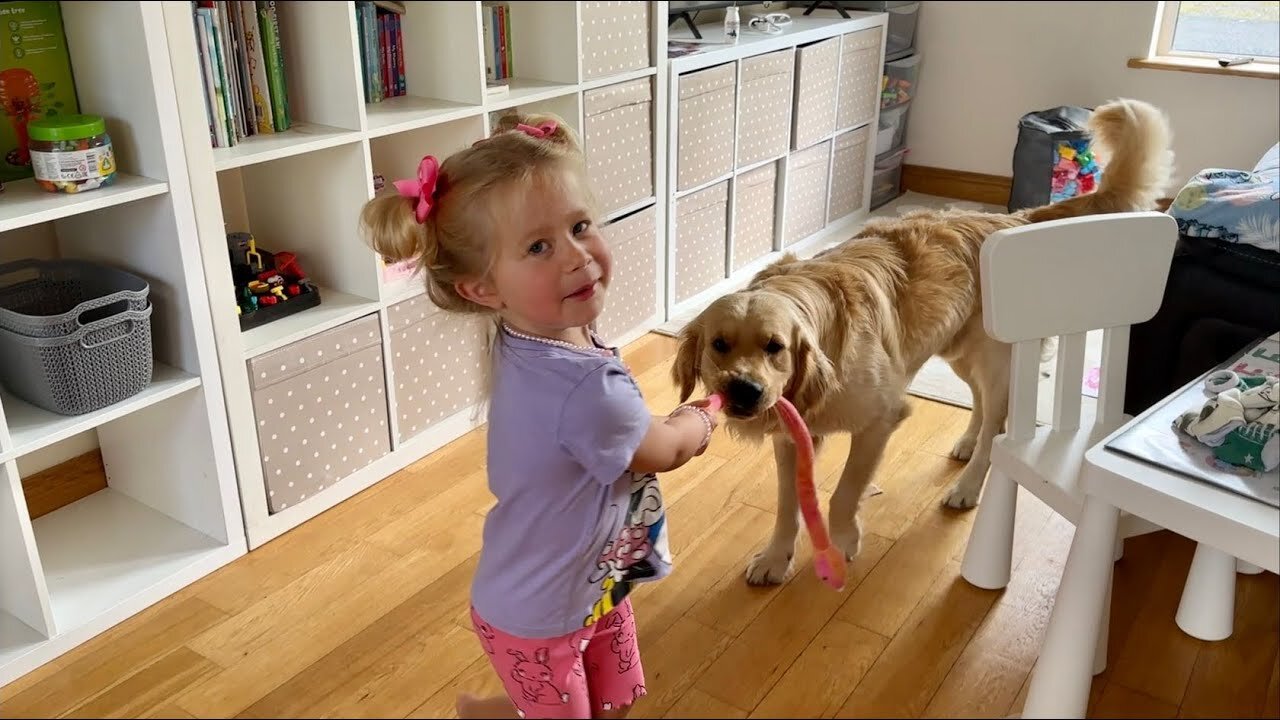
(842, 334)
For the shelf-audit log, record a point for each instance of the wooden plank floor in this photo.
(362, 611)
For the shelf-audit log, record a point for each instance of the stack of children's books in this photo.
(381, 49)
(495, 27)
(243, 67)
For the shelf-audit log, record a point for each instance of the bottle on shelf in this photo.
(732, 24)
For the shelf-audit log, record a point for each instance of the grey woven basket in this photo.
(100, 364)
(54, 298)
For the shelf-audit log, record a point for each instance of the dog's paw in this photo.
(963, 496)
(849, 540)
(768, 568)
(963, 449)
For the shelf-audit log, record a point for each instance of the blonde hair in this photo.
(453, 243)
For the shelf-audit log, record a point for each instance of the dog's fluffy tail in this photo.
(1132, 141)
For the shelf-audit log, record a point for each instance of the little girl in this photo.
(508, 228)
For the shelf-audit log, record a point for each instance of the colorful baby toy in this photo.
(268, 285)
(894, 91)
(1075, 172)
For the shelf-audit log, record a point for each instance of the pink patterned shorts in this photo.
(578, 675)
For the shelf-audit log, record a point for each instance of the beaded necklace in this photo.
(559, 343)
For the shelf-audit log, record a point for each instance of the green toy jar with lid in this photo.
(71, 153)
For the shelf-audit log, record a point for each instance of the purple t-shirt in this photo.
(573, 529)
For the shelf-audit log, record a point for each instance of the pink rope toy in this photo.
(828, 560)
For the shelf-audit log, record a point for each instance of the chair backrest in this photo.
(1062, 279)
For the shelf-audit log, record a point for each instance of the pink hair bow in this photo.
(422, 188)
(545, 130)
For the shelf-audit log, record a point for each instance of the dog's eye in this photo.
(719, 345)
(774, 347)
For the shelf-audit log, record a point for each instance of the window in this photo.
(1217, 28)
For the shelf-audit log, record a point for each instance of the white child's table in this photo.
(1225, 524)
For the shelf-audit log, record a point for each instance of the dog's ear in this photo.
(814, 377)
(687, 367)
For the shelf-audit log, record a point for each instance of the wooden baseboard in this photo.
(971, 186)
(957, 184)
(63, 484)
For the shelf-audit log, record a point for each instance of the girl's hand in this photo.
(699, 423)
(712, 405)
(674, 440)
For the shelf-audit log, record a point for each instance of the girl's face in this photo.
(551, 267)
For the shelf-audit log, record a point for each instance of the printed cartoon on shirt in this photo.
(632, 555)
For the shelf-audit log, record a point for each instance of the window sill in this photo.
(1207, 66)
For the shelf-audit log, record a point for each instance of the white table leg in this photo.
(1104, 632)
(1064, 673)
(1208, 606)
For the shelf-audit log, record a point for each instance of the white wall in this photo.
(985, 64)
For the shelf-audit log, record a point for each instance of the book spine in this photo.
(511, 47)
(371, 35)
(259, 86)
(364, 52)
(206, 69)
(229, 55)
(384, 50)
(248, 118)
(224, 79)
(499, 29)
(213, 79)
(220, 72)
(505, 9)
(401, 81)
(227, 60)
(486, 32)
(270, 22)
(244, 108)
(242, 68)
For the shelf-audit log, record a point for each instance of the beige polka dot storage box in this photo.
(619, 142)
(860, 73)
(704, 145)
(807, 192)
(633, 291)
(754, 202)
(848, 170)
(817, 72)
(701, 235)
(615, 37)
(764, 106)
(321, 410)
(436, 363)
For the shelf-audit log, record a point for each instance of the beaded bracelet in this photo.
(706, 422)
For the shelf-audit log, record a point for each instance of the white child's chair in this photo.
(1062, 279)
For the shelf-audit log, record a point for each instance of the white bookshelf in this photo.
(170, 512)
(302, 190)
(803, 31)
(26, 204)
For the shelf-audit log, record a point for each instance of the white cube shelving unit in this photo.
(170, 512)
(298, 452)
(804, 103)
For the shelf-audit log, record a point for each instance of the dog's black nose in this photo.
(744, 394)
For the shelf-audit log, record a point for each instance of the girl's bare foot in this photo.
(497, 706)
